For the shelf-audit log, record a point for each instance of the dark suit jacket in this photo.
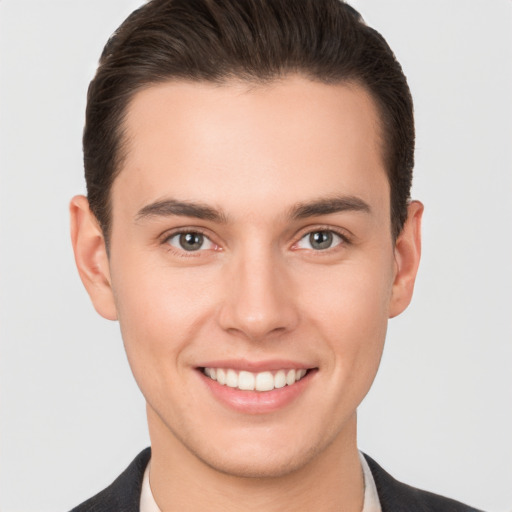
(123, 495)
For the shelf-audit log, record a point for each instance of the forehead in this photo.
(237, 145)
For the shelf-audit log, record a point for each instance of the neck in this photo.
(329, 482)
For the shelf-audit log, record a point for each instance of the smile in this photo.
(249, 381)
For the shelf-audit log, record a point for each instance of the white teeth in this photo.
(299, 374)
(232, 379)
(246, 381)
(280, 379)
(221, 376)
(262, 381)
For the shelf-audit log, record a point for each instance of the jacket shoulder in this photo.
(396, 496)
(123, 494)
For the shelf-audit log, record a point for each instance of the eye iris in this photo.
(191, 241)
(321, 239)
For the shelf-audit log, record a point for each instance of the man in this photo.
(249, 223)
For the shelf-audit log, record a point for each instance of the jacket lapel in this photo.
(395, 496)
(123, 495)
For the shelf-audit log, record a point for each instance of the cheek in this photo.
(160, 312)
(355, 293)
(349, 306)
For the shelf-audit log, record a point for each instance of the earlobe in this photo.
(407, 259)
(91, 257)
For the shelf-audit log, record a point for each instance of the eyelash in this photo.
(183, 253)
(345, 240)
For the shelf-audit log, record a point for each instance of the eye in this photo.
(190, 241)
(320, 240)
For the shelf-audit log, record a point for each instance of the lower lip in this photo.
(257, 402)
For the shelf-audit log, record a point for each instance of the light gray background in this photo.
(440, 413)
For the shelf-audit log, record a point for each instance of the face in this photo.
(252, 267)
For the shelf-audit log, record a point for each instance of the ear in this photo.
(91, 257)
(407, 259)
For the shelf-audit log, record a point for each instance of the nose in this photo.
(259, 298)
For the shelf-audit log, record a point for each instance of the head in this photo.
(248, 222)
(253, 41)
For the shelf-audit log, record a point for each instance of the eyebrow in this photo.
(170, 207)
(326, 206)
(323, 206)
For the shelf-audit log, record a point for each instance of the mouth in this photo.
(257, 387)
(250, 381)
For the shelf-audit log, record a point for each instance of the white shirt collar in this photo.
(371, 498)
(147, 502)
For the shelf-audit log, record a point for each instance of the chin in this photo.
(270, 454)
(259, 466)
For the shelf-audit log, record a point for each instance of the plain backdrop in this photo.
(440, 413)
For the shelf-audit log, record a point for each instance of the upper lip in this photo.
(256, 366)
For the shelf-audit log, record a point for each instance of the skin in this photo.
(257, 290)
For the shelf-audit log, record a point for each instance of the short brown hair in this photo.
(253, 40)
